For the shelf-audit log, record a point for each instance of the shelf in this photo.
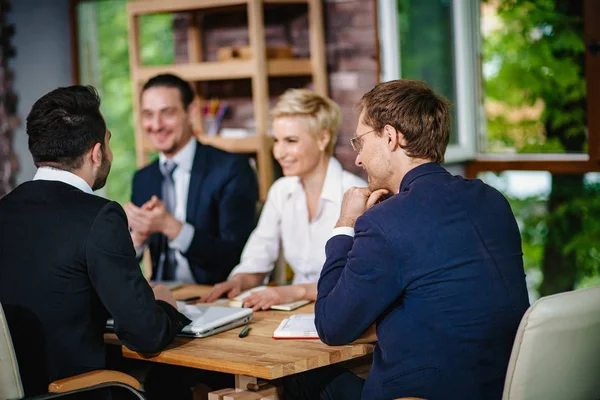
(204, 71)
(236, 69)
(249, 144)
(289, 67)
(258, 69)
(161, 6)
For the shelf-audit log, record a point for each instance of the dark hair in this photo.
(172, 81)
(414, 109)
(63, 125)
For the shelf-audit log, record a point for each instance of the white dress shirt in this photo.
(59, 175)
(284, 219)
(181, 176)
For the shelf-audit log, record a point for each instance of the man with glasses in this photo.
(437, 267)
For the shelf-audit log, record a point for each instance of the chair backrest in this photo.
(10, 380)
(556, 354)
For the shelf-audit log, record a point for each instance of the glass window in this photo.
(432, 41)
(558, 216)
(534, 74)
(426, 47)
(104, 63)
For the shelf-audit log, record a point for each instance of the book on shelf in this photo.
(298, 326)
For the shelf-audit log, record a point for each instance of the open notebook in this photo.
(299, 326)
(238, 301)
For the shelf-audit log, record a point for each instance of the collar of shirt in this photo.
(53, 174)
(333, 189)
(184, 158)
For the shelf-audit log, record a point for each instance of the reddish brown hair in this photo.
(413, 109)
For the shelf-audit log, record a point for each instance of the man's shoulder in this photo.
(148, 170)
(398, 209)
(55, 190)
(56, 198)
(214, 154)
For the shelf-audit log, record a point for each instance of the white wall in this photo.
(43, 62)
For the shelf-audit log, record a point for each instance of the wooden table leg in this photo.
(243, 385)
(220, 394)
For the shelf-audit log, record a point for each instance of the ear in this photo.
(193, 113)
(395, 138)
(194, 107)
(324, 139)
(392, 137)
(95, 155)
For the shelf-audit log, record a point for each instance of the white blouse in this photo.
(284, 219)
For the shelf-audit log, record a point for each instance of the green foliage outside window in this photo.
(536, 56)
(114, 82)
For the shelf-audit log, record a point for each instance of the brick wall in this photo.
(8, 103)
(351, 58)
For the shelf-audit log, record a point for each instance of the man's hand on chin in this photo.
(356, 201)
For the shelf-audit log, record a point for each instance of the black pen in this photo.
(189, 299)
(245, 331)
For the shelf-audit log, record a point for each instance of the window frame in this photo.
(470, 96)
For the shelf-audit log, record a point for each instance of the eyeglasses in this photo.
(357, 143)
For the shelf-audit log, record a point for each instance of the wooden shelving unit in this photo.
(258, 69)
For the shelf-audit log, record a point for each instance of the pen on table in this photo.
(245, 331)
(190, 299)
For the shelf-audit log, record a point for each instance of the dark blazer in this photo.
(438, 267)
(66, 263)
(221, 206)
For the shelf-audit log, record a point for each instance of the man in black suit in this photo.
(67, 261)
(195, 206)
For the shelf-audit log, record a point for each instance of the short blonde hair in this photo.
(320, 112)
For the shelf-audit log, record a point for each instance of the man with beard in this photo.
(67, 260)
(437, 267)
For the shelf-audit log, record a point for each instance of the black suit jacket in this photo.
(66, 263)
(221, 206)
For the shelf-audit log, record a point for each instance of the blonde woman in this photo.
(301, 208)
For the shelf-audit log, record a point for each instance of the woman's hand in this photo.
(231, 288)
(264, 299)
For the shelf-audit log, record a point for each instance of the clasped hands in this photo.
(151, 217)
(356, 201)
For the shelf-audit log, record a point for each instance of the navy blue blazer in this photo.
(221, 206)
(439, 269)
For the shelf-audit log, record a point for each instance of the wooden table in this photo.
(255, 358)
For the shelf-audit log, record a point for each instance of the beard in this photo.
(379, 180)
(373, 183)
(102, 174)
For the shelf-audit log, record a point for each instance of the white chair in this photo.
(11, 386)
(556, 354)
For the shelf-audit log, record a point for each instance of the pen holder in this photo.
(209, 120)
